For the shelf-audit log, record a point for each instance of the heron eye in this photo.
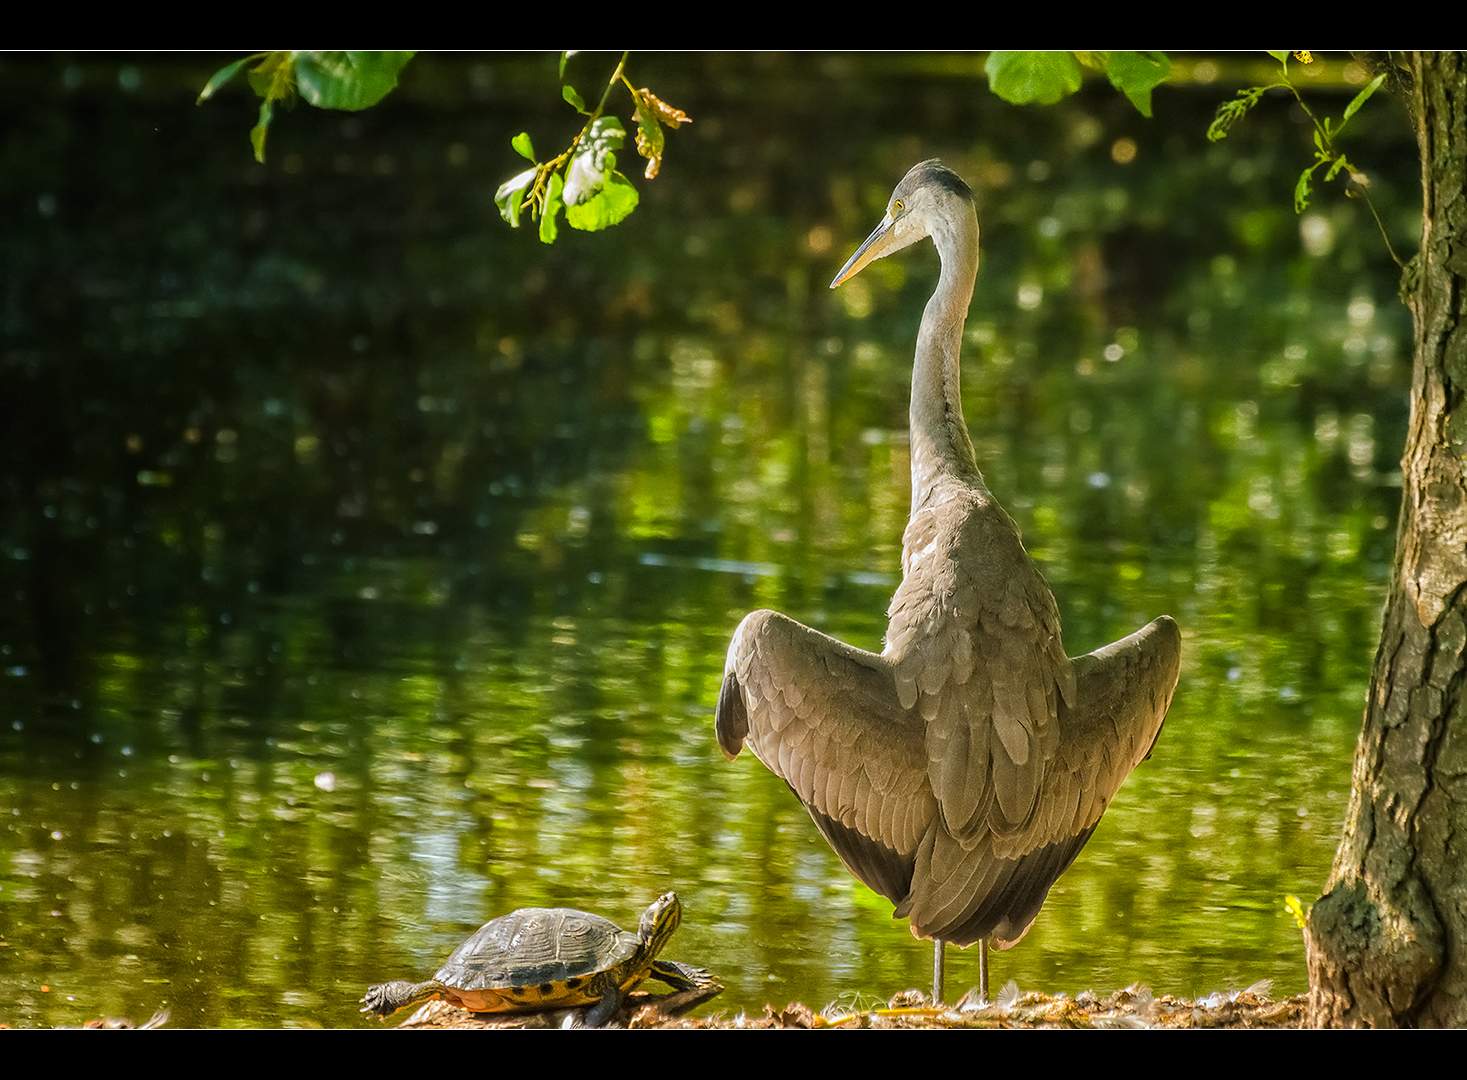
(897, 206)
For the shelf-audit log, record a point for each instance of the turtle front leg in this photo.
(681, 976)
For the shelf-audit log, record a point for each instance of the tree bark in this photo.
(1387, 942)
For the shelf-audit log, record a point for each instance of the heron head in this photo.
(928, 197)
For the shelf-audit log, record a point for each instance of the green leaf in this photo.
(607, 207)
(1301, 190)
(523, 146)
(569, 93)
(222, 76)
(511, 194)
(1023, 78)
(261, 129)
(1362, 97)
(593, 160)
(347, 80)
(1281, 55)
(1230, 112)
(1136, 75)
(553, 206)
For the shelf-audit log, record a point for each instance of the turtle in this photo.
(548, 958)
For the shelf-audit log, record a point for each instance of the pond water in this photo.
(367, 567)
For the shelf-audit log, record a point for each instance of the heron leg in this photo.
(983, 997)
(939, 970)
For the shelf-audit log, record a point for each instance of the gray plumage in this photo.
(960, 771)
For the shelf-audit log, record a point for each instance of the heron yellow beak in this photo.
(879, 243)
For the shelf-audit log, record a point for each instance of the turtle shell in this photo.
(542, 956)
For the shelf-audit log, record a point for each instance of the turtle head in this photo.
(659, 921)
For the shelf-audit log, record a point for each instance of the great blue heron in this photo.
(961, 770)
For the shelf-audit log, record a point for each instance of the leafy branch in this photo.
(327, 80)
(583, 179)
(1327, 155)
(1046, 77)
(1028, 77)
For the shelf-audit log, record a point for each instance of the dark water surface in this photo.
(366, 567)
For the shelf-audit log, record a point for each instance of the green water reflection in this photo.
(367, 567)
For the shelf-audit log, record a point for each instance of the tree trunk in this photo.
(1387, 943)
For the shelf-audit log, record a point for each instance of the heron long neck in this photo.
(939, 438)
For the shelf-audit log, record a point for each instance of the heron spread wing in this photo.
(992, 882)
(1123, 691)
(824, 717)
